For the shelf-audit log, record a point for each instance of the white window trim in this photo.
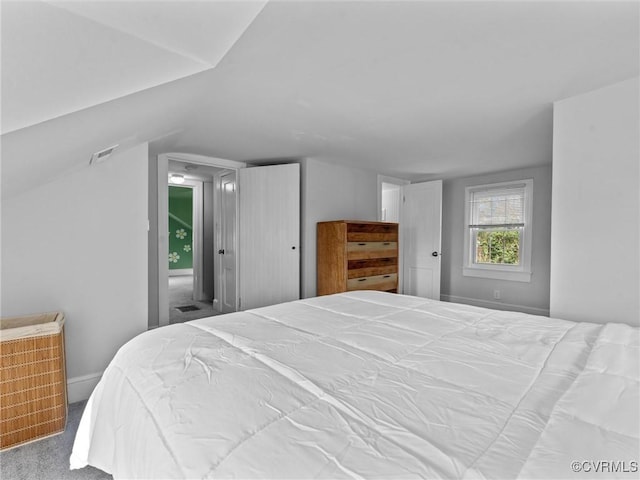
(516, 273)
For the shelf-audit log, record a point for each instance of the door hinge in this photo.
(239, 303)
(404, 199)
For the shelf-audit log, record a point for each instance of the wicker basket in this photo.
(33, 379)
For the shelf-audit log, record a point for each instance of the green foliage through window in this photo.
(498, 247)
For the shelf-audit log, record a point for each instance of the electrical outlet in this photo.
(496, 294)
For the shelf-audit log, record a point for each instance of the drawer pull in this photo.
(363, 244)
(387, 276)
(386, 243)
(362, 279)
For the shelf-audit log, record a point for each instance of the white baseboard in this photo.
(80, 388)
(180, 271)
(495, 305)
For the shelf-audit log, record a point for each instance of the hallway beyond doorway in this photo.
(180, 295)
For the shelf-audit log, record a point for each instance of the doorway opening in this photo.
(186, 238)
(190, 223)
(188, 220)
(417, 208)
(390, 198)
(267, 212)
(390, 208)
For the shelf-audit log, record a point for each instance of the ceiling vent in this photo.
(102, 155)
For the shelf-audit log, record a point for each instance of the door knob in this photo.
(434, 254)
(221, 251)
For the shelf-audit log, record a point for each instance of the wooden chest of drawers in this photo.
(355, 255)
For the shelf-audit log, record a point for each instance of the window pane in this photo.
(497, 207)
(498, 247)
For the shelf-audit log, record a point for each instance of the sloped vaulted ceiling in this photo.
(60, 57)
(416, 89)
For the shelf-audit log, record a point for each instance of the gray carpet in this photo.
(181, 294)
(48, 459)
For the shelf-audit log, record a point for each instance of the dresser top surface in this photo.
(365, 222)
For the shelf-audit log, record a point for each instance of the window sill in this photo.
(497, 274)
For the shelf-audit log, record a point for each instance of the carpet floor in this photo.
(48, 459)
(181, 294)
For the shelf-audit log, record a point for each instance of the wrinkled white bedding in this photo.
(368, 385)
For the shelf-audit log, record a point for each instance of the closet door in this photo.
(269, 246)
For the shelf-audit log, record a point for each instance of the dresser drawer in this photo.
(364, 250)
(376, 282)
(372, 262)
(372, 228)
(371, 271)
(372, 232)
(369, 267)
(372, 237)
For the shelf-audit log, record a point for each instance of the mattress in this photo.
(369, 385)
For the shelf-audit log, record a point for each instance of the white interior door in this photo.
(420, 232)
(227, 244)
(269, 235)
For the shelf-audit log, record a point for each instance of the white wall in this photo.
(532, 297)
(596, 206)
(79, 245)
(331, 192)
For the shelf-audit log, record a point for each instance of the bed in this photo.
(369, 385)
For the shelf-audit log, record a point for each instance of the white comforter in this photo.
(368, 385)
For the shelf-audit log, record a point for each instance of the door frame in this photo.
(160, 297)
(218, 242)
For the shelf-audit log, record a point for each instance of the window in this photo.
(498, 231)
